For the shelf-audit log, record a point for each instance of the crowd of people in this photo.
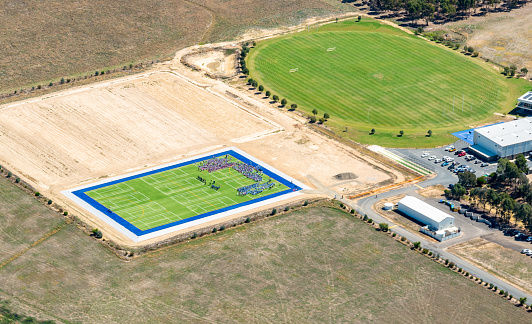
(215, 164)
(256, 188)
(251, 172)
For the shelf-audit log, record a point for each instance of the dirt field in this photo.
(507, 264)
(432, 191)
(76, 136)
(316, 265)
(502, 37)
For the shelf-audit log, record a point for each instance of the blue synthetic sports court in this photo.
(467, 135)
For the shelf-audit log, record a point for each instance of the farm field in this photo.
(171, 196)
(368, 75)
(43, 42)
(312, 265)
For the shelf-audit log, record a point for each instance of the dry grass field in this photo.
(42, 41)
(503, 262)
(502, 37)
(315, 265)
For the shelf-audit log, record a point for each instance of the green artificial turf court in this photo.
(380, 77)
(177, 194)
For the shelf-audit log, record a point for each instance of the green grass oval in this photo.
(380, 77)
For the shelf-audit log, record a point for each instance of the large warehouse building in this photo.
(524, 103)
(504, 140)
(439, 224)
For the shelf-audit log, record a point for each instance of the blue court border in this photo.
(81, 194)
(467, 135)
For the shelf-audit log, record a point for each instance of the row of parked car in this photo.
(448, 161)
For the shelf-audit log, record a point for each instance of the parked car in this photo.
(424, 154)
(432, 158)
(445, 164)
(450, 147)
(519, 236)
(484, 164)
(461, 153)
(452, 150)
(525, 251)
(437, 161)
(449, 159)
(478, 161)
(529, 239)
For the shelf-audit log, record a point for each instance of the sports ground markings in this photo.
(409, 164)
(153, 223)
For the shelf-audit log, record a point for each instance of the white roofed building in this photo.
(504, 140)
(524, 102)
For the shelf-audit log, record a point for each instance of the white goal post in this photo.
(330, 49)
(293, 70)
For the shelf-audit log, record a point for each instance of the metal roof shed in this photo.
(425, 213)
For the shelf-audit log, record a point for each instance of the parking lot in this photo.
(415, 155)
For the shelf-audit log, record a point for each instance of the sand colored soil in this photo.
(77, 136)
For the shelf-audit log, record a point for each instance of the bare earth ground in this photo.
(76, 136)
(504, 37)
(432, 191)
(507, 264)
(317, 265)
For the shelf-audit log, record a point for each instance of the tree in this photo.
(359, 18)
(522, 300)
(268, 93)
(96, 73)
(261, 88)
(417, 245)
(383, 227)
(458, 191)
(401, 132)
(506, 70)
(314, 111)
(508, 206)
(470, 49)
(430, 133)
(275, 98)
(326, 116)
(245, 71)
(293, 106)
(284, 102)
(372, 131)
(467, 179)
(481, 181)
(521, 163)
(524, 71)
(62, 80)
(312, 119)
(322, 120)
(97, 233)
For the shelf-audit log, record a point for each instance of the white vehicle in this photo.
(424, 154)
(449, 147)
(524, 251)
(448, 159)
(437, 161)
(432, 158)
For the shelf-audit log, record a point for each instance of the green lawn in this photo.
(177, 194)
(381, 77)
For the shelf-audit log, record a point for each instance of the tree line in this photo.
(429, 10)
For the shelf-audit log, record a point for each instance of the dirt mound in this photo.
(346, 176)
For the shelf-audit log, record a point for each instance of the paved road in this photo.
(470, 229)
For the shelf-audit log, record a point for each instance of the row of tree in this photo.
(429, 10)
(507, 191)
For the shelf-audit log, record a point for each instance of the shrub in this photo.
(274, 211)
(96, 73)
(451, 265)
(284, 102)
(342, 205)
(247, 220)
(97, 233)
(446, 261)
(222, 228)
(50, 84)
(459, 269)
(352, 211)
(17, 180)
(268, 93)
(194, 235)
(65, 213)
(522, 300)
(394, 235)
(37, 194)
(287, 208)
(403, 238)
(322, 120)
(9, 174)
(275, 98)
(475, 54)
(467, 274)
(305, 203)
(312, 119)
(496, 288)
(293, 106)
(62, 80)
(417, 245)
(49, 201)
(370, 221)
(425, 251)
(430, 253)
(214, 230)
(502, 292)
(383, 227)
(365, 217)
(491, 286)
(511, 296)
